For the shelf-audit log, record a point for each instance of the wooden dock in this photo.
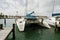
(5, 32)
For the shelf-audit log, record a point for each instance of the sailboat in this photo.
(28, 18)
(54, 20)
(21, 24)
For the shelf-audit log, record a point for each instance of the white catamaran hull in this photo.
(45, 24)
(50, 22)
(21, 24)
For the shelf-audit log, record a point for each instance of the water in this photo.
(33, 32)
(9, 22)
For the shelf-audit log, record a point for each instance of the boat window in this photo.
(20, 21)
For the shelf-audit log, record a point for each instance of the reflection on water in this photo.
(33, 32)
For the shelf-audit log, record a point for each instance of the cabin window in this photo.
(20, 21)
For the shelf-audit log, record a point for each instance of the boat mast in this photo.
(53, 6)
(26, 7)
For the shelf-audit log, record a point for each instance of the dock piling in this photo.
(13, 31)
(1, 26)
(5, 22)
(56, 26)
(42, 21)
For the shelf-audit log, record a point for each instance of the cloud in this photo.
(9, 7)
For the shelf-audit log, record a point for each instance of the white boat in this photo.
(21, 24)
(27, 19)
(51, 22)
(44, 23)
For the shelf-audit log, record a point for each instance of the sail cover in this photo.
(56, 11)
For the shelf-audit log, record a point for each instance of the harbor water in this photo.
(32, 32)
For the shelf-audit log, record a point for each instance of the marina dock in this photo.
(6, 31)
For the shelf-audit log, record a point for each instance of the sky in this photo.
(21, 7)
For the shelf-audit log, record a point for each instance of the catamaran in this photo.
(28, 19)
